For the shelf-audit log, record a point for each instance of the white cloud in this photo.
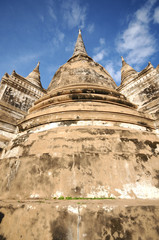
(90, 28)
(137, 42)
(74, 14)
(138, 56)
(143, 14)
(70, 47)
(25, 58)
(51, 9)
(100, 51)
(116, 75)
(99, 56)
(20, 62)
(156, 15)
(51, 13)
(59, 37)
(41, 17)
(102, 41)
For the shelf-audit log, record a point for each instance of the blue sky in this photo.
(46, 31)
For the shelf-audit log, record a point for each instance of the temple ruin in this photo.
(80, 160)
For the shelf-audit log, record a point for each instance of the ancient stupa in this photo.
(82, 139)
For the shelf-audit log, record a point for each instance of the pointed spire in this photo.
(13, 72)
(123, 61)
(126, 71)
(6, 75)
(79, 47)
(149, 65)
(34, 76)
(36, 69)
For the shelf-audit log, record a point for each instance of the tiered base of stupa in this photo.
(79, 219)
(63, 159)
(86, 149)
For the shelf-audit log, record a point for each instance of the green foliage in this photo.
(68, 198)
(61, 198)
(83, 198)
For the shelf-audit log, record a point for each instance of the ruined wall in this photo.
(81, 220)
(17, 95)
(81, 159)
(143, 91)
(19, 92)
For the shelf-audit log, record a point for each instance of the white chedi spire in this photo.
(34, 76)
(79, 47)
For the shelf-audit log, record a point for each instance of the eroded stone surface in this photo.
(142, 89)
(17, 95)
(65, 159)
(80, 219)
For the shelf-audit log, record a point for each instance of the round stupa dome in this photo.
(81, 69)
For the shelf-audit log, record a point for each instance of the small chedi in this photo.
(80, 160)
(17, 95)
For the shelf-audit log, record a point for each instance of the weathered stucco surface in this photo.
(142, 88)
(87, 161)
(17, 95)
(80, 219)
